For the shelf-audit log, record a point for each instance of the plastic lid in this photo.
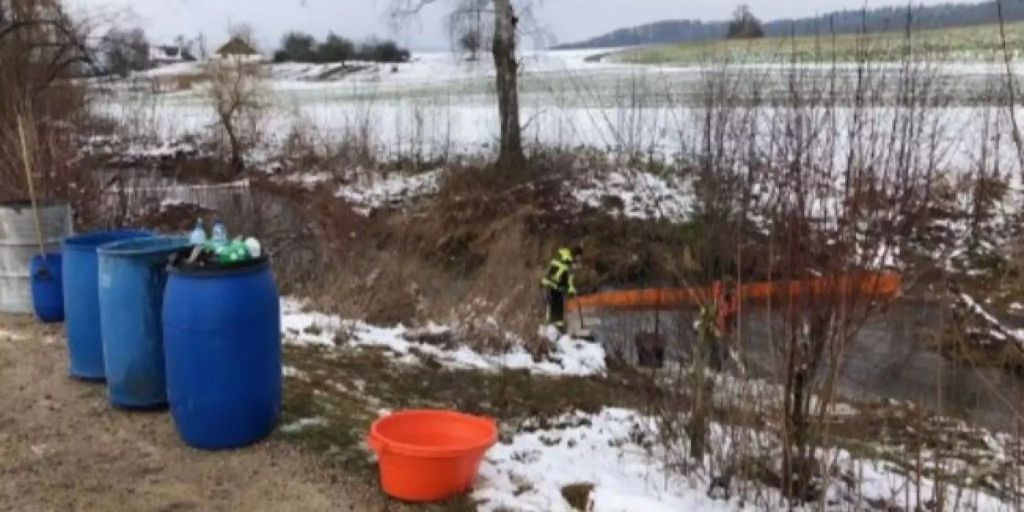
(98, 238)
(143, 246)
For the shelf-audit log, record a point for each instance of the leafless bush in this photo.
(41, 47)
(237, 94)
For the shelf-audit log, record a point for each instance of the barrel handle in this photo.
(43, 272)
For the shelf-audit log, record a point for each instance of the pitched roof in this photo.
(236, 46)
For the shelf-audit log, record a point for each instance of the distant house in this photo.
(238, 49)
(165, 55)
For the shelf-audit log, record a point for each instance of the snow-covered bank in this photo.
(636, 194)
(616, 451)
(569, 357)
(366, 193)
(529, 473)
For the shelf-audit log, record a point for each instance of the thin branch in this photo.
(408, 8)
(1011, 86)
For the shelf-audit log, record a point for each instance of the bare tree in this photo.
(185, 47)
(503, 49)
(245, 32)
(237, 95)
(468, 27)
(125, 51)
(744, 24)
(40, 47)
(1011, 88)
(200, 44)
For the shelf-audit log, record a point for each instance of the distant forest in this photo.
(879, 19)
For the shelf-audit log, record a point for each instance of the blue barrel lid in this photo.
(144, 246)
(92, 240)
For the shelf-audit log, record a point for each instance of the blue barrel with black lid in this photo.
(222, 346)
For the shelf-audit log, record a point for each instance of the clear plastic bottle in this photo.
(198, 235)
(219, 234)
(255, 249)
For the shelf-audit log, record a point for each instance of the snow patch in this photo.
(996, 329)
(303, 424)
(291, 371)
(528, 474)
(309, 180)
(636, 194)
(368, 193)
(569, 357)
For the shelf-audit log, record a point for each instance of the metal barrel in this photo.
(19, 242)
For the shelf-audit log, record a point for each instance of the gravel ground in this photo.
(62, 447)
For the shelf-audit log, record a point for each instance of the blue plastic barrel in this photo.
(132, 276)
(222, 342)
(47, 289)
(81, 300)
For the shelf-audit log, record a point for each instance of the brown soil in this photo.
(62, 447)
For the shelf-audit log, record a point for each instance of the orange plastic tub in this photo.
(430, 455)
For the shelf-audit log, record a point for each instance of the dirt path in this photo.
(62, 447)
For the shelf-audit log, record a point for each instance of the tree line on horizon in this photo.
(302, 47)
(848, 21)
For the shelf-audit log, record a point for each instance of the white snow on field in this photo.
(569, 357)
(615, 451)
(439, 104)
(170, 70)
(636, 194)
(368, 193)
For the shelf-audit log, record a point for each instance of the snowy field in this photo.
(440, 105)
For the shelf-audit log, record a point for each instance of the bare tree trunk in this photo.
(236, 146)
(1011, 89)
(507, 69)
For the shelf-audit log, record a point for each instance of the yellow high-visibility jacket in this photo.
(559, 275)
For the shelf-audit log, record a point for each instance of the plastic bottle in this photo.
(255, 249)
(219, 234)
(198, 235)
(232, 252)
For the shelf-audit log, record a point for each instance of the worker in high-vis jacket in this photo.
(560, 285)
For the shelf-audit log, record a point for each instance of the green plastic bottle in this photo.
(232, 252)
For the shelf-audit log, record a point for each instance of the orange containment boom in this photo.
(868, 285)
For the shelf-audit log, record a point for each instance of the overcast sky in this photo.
(565, 20)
